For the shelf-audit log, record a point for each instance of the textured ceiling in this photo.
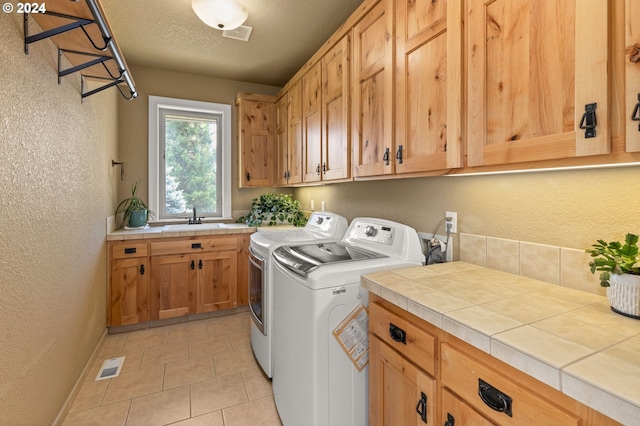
(167, 34)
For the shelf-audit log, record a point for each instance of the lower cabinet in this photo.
(419, 374)
(173, 277)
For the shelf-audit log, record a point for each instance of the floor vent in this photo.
(110, 368)
(241, 33)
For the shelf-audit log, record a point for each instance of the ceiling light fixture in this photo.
(220, 14)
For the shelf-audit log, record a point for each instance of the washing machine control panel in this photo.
(373, 232)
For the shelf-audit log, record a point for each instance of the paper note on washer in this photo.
(352, 334)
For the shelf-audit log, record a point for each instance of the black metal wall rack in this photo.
(80, 31)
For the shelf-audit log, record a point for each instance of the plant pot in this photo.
(624, 294)
(137, 218)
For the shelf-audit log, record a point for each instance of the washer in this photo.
(321, 226)
(316, 286)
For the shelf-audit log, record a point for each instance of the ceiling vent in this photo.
(241, 33)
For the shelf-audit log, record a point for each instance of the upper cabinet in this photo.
(632, 71)
(428, 107)
(256, 133)
(311, 124)
(537, 81)
(372, 92)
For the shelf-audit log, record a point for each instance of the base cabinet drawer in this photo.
(495, 396)
(455, 412)
(400, 392)
(405, 337)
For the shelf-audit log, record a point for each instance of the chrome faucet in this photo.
(195, 220)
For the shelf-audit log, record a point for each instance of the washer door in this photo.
(257, 287)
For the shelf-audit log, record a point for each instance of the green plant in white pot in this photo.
(619, 266)
(274, 209)
(135, 213)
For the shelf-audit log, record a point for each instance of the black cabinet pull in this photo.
(196, 245)
(451, 421)
(397, 334)
(494, 399)
(129, 250)
(324, 168)
(589, 122)
(634, 115)
(248, 177)
(399, 154)
(318, 169)
(200, 264)
(193, 264)
(421, 408)
(142, 269)
(385, 157)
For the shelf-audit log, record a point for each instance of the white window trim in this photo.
(155, 104)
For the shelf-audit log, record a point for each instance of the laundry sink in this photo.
(198, 227)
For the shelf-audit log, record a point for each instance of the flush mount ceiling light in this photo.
(220, 14)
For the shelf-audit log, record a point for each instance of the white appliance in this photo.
(321, 226)
(316, 286)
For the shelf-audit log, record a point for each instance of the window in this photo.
(189, 158)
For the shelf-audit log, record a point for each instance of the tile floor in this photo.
(196, 373)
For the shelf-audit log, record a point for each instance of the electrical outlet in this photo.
(453, 221)
(313, 205)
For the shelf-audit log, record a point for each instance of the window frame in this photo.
(185, 106)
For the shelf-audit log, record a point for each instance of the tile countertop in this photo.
(162, 232)
(568, 339)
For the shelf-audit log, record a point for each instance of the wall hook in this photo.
(121, 164)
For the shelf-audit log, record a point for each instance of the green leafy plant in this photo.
(130, 204)
(273, 208)
(615, 258)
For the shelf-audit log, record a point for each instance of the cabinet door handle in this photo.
(399, 154)
(385, 157)
(421, 408)
(248, 177)
(634, 115)
(142, 269)
(200, 264)
(193, 264)
(397, 334)
(324, 168)
(494, 399)
(318, 169)
(451, 421)
(589, 121)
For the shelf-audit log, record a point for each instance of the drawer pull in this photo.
(421, 408)
(494, 399)
(196, 245)
(451, 421)
(129, 250)
(397, 334)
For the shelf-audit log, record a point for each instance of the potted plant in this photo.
(619, 265)
(274, 209)
(135, 212)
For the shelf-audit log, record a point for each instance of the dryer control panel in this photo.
(373, 232)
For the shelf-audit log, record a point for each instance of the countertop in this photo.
(191, 230)
(568, 339)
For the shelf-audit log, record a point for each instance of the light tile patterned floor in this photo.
(196, 373)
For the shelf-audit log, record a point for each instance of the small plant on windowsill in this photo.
(274, 209)
(619, 266)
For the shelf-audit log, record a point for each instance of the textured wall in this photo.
(57, 187)
(134, 128)
(564, 208)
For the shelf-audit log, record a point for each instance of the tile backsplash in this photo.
(567, 267)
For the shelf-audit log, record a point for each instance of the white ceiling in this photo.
(167, 34)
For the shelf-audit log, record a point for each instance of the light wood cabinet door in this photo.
(372, 78)
(456, 412)
(632, 71)
(294, 134)
(282, 140)
(533, 67)
(399, 392)
(216, 281)
(257, 141)
(173, 286)
(428, 107)
(129, 291)
(336, 132)
(312, 124)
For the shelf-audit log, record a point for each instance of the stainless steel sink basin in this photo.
(199, 227)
